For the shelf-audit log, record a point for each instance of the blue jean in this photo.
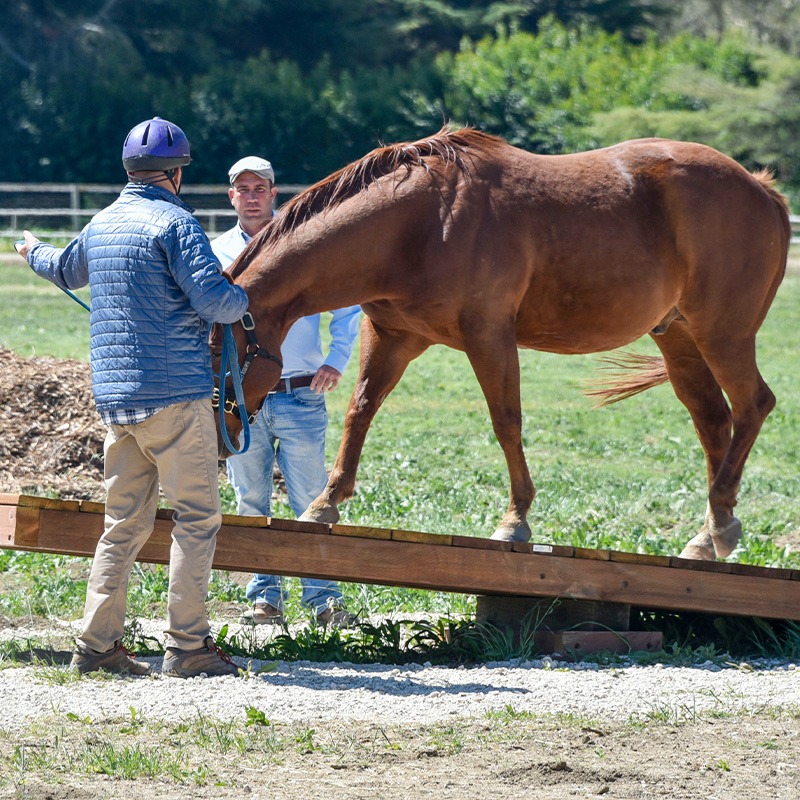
(291, 427)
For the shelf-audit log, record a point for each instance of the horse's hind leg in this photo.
(384, 358)
(699, 373)
(734, 366)
(696, 387)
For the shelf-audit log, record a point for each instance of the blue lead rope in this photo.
(74, 297)
(20, 243)
(229, 368)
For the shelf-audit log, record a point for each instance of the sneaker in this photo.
(117, 659)
(337, 616)
(209, 661)
(262, 614)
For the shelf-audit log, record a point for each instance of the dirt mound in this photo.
(51, 436)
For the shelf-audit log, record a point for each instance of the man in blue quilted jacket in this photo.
(155, 288)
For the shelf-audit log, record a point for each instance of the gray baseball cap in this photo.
(255, 164)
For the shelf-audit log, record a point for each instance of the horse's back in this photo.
(602, 244)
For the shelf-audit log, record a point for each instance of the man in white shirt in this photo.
(293, 421)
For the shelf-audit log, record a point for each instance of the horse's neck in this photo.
(296, 280)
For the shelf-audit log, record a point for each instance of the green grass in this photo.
(37, 318)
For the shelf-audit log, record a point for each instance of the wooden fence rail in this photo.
(68, 206)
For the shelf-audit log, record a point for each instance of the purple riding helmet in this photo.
(155, 144)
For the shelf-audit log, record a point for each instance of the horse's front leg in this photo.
(384, 358)
(494, 357)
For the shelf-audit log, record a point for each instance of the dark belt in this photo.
(287, 384)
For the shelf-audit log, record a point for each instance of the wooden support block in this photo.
(92, 507)
(551, 613)
(576, 644)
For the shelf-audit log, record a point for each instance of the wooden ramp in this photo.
(428, 561)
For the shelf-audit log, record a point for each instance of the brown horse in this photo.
(464, 240)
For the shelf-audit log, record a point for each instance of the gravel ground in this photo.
(304, 691)
(418, 694)
(725, 731)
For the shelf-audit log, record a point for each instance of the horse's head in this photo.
(259, 358)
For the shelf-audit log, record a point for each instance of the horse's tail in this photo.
(767, 182)
(635, 373)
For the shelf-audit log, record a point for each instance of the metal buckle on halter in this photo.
(215, 398)
(248, 323)
(231, 407)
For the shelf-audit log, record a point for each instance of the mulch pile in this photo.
(51, 436)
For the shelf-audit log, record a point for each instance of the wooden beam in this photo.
(427, 561)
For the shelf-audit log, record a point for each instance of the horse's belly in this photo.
(590, 331)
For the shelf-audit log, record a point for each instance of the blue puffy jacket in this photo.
(155, 287)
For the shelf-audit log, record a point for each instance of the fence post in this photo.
(75, 204)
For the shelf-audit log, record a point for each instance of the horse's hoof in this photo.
(511, 534)
(326, 514)
(700, 548)
(725, 539)
(697, 553)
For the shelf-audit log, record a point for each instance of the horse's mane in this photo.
(449, 146)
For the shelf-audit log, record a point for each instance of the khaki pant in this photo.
(178, 447)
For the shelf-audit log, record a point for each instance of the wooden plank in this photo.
(361, 531)
(281, 550)
(553, 549)
(435, 539)
(301, 526)
(246, 522)
(34, 501)
(462, 569)
(543, 549)
(8, 525)
(26, 531)
(592, 555)
(700, 566)
(639, 558)
(479, 543)
(762, 572)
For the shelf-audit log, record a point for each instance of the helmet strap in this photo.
(149, 181)
(170, 173)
